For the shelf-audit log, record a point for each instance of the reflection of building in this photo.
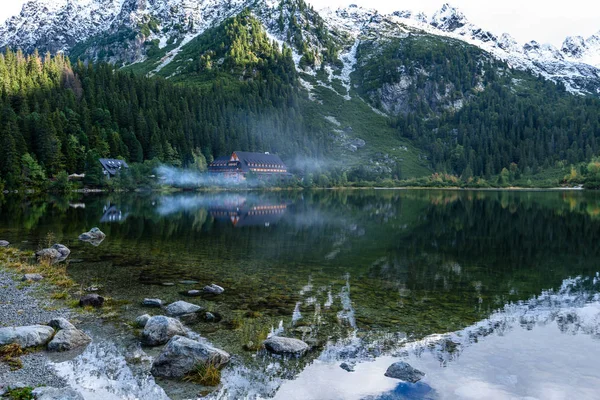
(240, 213)
(241, 163)
(112, 214)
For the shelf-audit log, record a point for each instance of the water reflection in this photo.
(359, 274)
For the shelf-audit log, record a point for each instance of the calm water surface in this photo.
(491, 294)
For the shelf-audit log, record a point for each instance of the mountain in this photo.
(367, 95)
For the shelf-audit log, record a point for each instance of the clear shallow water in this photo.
(367, 276)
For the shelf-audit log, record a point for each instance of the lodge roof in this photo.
(248, 160)
(112, 166)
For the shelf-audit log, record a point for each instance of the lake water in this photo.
(491, 294)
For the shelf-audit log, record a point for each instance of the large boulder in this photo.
(285, 345)
(51, 393)
(95, 236)
(159, 329)
(68, 337)
(93, 300)
(404, 371)
(213, 289)
(182, 307)
(181, 355)
(26, 336)
(54, 254)
(4, 243)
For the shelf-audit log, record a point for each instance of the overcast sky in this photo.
(545, 21)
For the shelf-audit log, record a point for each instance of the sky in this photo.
(549, 21)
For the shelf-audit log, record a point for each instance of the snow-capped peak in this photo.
(448, 18)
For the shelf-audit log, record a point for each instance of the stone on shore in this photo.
(213, 289)
(4, 243)
(142, 320)
(404, 371)
(285, 345)
(68, 336)
(159, 329)
(93, 300)
(182, 307)
(181, 355)
(51, 393)
(32, 278)
(61, 323)
(152, 303)
(194, 292)
(26, 336)
(54, 254)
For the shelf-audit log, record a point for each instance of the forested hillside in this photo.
(473, 114)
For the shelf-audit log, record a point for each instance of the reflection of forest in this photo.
(427, 260)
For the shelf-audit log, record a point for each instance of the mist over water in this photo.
(186, 178)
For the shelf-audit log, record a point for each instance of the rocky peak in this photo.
(574, 46)
(448, 18)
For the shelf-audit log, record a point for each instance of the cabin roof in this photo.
(113, 165)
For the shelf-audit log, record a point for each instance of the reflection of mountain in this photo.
(243, 214)
(113, 214)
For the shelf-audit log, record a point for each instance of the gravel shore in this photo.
(18, 307)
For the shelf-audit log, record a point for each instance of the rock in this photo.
(68, 336)
(94, 237)
(32, 278)
(213, 289)
(26, 336)
(54, 254)
(61, 323)
(188, 282)
(93, 234)
(68, 339)
(159, 329)
(194, 292)
(403, 371)
(4, 243)
(285, 345)
(181, 355)
(182, 307)
(168, 284)
(142, 320)
(51, 393)
(303, 329)
(152, 303)
(347, 366)
(93, 300)
(209, 317)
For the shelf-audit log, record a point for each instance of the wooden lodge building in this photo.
(241, 163)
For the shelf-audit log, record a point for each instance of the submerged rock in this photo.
(188, 282)
(26, 336)
(404, 371)
(181, 355)
(213, 289)
(93, 300)
(54, 254)
(94, 237)
(142, 320)
(152, 303)
(4, 243)
(182, 307)
(51, 393)
(285, 345)
(194, 292)
(32, 278)
(348, 366)
(159, 329)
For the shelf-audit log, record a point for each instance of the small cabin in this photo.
(241, 163)
(111, 166)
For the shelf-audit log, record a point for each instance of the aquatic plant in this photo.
(207, 374)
